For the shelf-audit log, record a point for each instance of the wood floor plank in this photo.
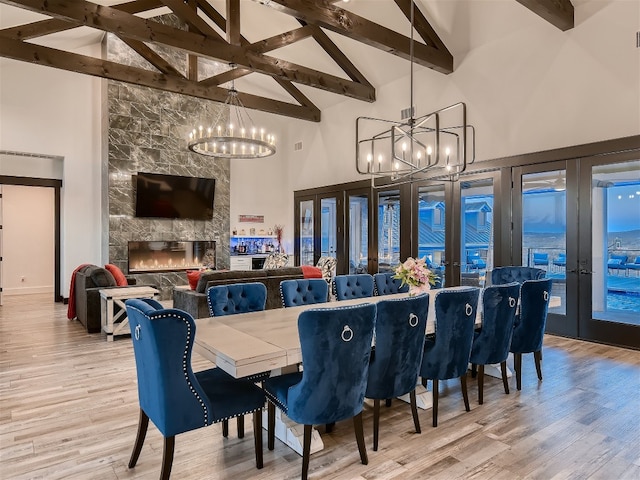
(69, 410)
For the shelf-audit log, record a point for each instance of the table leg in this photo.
(424, 397)
(292, 433)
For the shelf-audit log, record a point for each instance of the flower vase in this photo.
(418, 289)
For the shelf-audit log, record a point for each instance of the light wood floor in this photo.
(68, 410)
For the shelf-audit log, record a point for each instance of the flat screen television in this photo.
(172, 196)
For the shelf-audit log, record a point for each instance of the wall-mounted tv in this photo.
(171, 196)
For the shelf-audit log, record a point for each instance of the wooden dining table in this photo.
(255, 342)
(249, 343)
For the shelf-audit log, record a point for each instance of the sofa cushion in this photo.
(310, 271)
(193, 276)
(101, 277)
(119, 277)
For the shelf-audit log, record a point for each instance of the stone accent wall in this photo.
(147, 131)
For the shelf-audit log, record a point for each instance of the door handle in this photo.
(584, 271)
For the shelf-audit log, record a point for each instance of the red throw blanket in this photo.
(71, 308)
(311, 272)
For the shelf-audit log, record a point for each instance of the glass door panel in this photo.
(612, 263)
(328, 227)
(388, 230)
(358, 232)
(431, 227)
(544, 228)
(306, 238)
(476, 227)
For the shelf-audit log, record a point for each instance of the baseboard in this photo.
(27, 290)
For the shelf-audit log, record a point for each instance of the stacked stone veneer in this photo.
(147, 131)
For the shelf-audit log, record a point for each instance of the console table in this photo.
(114, 324)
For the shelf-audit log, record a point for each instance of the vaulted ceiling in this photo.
(234, 32)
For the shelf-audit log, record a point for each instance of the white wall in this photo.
(28, 215)
(53, 112)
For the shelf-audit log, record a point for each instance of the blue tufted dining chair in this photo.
(336, 345)
(236, 298)
(503, 275)
(303, 291)
(395, 361)
(176, 399)
(386, 285)
(230, 300)
(446, 353)
(346, 287)
(491, 343)
(528, 331)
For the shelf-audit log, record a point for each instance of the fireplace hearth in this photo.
(167, 256)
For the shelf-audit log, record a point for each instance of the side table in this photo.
(118, 323)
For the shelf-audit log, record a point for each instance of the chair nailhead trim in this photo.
(273, 399)
(185, 371)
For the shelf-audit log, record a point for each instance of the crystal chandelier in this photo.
(440, 142)
(237, 138)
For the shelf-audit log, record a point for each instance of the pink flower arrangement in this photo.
(414, 272)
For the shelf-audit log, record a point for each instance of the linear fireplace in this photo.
(163, 256)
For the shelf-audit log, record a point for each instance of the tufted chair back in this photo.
(236, 298)
(385, 284)
(503, 275)
(304, 291)
(346, 287)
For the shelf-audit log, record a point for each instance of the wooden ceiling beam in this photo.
(120, 23)
(73, 62)
(557, 12)
(54, 25)
(349, 24)
(152, 57)
(233, 22)
(422, 25)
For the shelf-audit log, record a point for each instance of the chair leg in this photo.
(257, 436)
(376, 423)
(240, 422)
(225, 428)
(359, 429)
(143, 424)
(480, 384)
(537, 357)
(474, 370)
(517, 366)
(424, 382)
(505, 381)
(435, 401)
(167, 457)
(329, 427)
(414, 410)
(306, 450)
(465, 396)
(271, 425)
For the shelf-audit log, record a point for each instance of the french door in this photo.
(580, 222)
(609, 233)
(319, 229)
